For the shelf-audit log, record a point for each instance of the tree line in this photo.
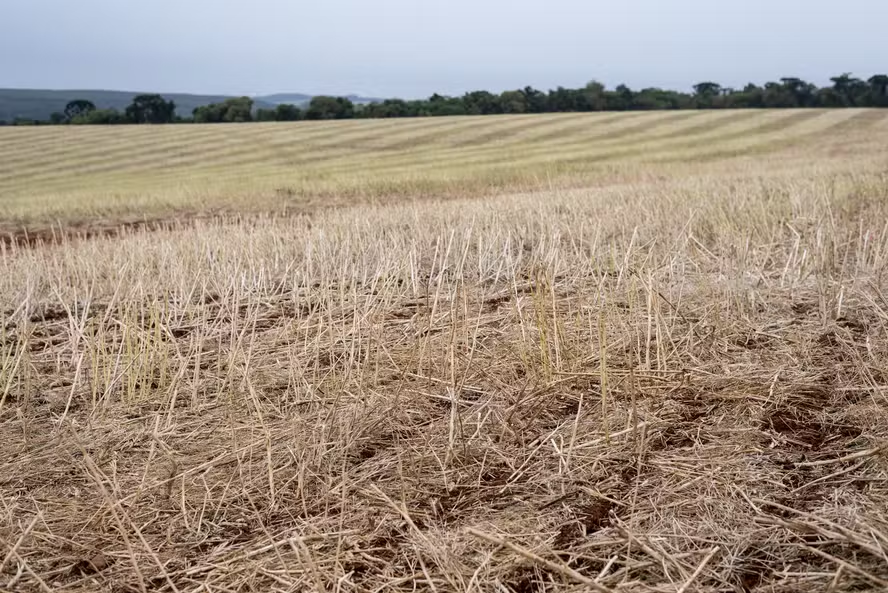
(845, 91)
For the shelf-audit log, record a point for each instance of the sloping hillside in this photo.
(40, 104)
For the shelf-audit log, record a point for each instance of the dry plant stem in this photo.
(14, 549)
(561, 569)
(850, 457)
(699, 569)
(850, 567)
(310, 356)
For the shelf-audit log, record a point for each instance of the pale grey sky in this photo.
(412, 48)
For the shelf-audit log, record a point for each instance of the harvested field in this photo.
(509, 354)
(94, 175)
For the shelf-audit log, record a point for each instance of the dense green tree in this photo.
(57, 118)
(324, 107)
(879, 84)
(391, 108)
(100, 117)
(778, 95)
(845, 91)
(265, 115)
(482, 103)
(78, 107)
(237, 110)
(439, 105)
(802, 92)
(752, 96)
(151, 109)
(706, 94)
(878, 90)
(707, 89)
(621, 99)
(287, 112)
(513, 102)
(593, 97)
(283, 112)
(563, 100)
(536, 101)
(655, 99)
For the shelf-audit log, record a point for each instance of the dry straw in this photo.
(671, 379)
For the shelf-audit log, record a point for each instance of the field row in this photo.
(70, 172)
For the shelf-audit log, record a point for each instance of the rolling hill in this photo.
(39, 104)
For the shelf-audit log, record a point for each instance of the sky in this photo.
(413, 48)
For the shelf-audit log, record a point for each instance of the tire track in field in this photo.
(120, 147)
(497, 153)
(567, 127)
(435, 158)
(199, 139)
(269, 144)
(160, 153)
(113, 137)
(599, 152)
(831, 121)
(229, 143)
(579, 134)
(218, 145)
(472, 158)
(761, 135)
(226, 151)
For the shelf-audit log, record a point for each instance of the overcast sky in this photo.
(412, 48)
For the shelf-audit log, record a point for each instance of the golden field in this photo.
(80, 174)
(609, 352)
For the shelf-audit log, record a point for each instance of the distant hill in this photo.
(40, 104)
(302, 99)
(359, 100)
(281, 98)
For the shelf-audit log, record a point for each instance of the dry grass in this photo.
(671, 377)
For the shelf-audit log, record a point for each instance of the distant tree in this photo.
(621, 99)
(707, 89)
(778, 95)
(265, 115)
(845, 91)
(208, 114)
(78, 107)
(151, 109)
(57, 118)
(878, 90)
(801, 91)
(324, 107)
(752, 96)
(848, 91)
(439, 105)
(513, 102)
(654, 99)
(287, 112)
(100, 117)
(237, 110)
(879, 84)
(390, 108)
(563, 100)
(706, 93)
(536, 101)
(481, 103)
(593, 97)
